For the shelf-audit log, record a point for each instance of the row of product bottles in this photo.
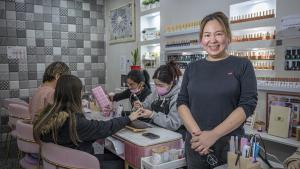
(187, 58)
(253, 16)
(289, 82)
(254, 37)
(255, 55)
(263, 64)
(292, 59)
(182, 65)
(182, 26)
(182, 42)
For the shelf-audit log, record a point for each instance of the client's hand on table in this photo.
(137, 104)
(147, 113)
(136, 114)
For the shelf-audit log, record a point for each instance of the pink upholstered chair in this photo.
(15, 112)
(26, 143)
(5, 102)
(57, 157)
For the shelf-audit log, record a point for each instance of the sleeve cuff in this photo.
(152, 115)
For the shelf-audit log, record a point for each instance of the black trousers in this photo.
(108, 160)
(210, 161)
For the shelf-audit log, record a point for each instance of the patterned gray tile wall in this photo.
(51, 30)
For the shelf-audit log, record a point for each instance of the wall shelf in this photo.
(279, 89)
(149, 11)
(149, 42)
(258, 23)
(183, 48)
(252, 44)
(178, 33)
(265, 73)
(287, 141)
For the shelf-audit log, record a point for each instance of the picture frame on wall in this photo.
(122, 23)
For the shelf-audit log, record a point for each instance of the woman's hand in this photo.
(294, 164)
(136, 114)
(146, 113)
(137, 104)
(108, 108)
(111, 96)
(201, 141)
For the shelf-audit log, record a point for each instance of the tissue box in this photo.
(101, 98)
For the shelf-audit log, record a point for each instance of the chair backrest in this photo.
(25, 140)
(58, 157)
(17, 112)
(5, 102)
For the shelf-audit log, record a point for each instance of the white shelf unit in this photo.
(286, 141)
(253, 28)
(150, 21)
(150, 40)
(178, 33)
(146, 164)
(150, 55)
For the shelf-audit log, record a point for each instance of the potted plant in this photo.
(135, 59)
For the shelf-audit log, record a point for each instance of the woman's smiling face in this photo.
(214, 40)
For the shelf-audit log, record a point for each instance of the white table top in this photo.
(140, 140)
(137, 137)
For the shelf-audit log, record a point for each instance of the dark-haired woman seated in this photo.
(138, 84)
(160, 106)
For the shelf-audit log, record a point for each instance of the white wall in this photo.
(114, 51)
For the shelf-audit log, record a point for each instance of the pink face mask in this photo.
(134, 91)
(161, 90)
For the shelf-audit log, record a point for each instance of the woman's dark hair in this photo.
(55, 68)
(167, 73)
(139, 76)
(67, 102)
(221, 18)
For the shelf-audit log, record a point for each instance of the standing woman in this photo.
(217, 95)
(138, 82)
